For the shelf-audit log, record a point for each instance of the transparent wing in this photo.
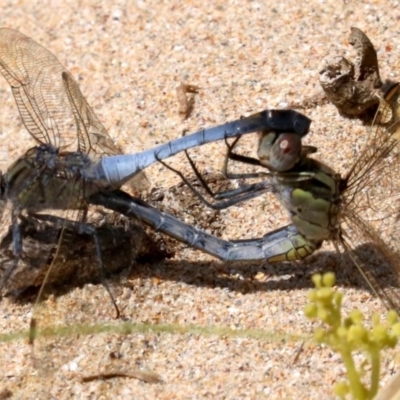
(372, 186)
(371, 196)
(55, 112)
(50, 103)
(91, 135)
(375, 261)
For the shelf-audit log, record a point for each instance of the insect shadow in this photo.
(245, 277)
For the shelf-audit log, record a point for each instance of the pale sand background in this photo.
(245, 56)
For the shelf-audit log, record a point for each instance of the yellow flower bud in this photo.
(392, 317)
(342, 332)
(357, 334)
(310, 310)
(317, 280)
(356, 316)
(328, 279)
(379, 334)
(325, 294)
(323, 314)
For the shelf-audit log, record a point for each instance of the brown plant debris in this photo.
(185, 93)
(352, 87)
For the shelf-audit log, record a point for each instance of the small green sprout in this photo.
(349, 335)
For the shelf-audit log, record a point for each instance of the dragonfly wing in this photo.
(93, 138)
(35, 78)
(377, 263)
(55, 112)
(371, 204)
(52, 107)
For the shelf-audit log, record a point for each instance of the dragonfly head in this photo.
(279, 151)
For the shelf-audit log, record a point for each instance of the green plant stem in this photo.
(356, 387)
(375, 371)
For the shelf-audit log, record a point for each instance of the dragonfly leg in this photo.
(82, 228)
(92, 231)
(235, 196)
(17, 246)
(228, 193)
(230, 155)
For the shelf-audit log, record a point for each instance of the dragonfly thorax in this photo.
(44, 178)
(44, 155)
(310, 192)
(68, 163)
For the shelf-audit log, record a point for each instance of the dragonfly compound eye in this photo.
(279, 152)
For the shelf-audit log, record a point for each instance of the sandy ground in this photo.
(209, 329)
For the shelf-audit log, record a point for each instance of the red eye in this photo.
(285, 152)
(285, 146)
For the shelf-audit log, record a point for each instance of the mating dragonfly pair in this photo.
(76, 165)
